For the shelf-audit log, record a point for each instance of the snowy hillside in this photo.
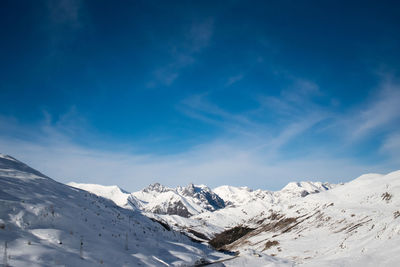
(305, 223)
(243, 205)
(357, 224)
(310, 223)
(46, 223)
(236, 196)
(159, 199)
(202, 212)
(112, 192)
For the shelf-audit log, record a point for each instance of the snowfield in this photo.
(46, 223)
(112, 192)
(357, 224)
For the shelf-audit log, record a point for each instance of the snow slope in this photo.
(307, 223)
(46, 223)
(310, 223)
(236, 196)
(243, 205)
(200, 209)
(112, 192)
(357, 224)
(159, 199)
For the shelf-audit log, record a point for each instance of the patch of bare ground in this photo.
(274, 216)
(198, 235)
(276, 227)
(282, 225)
(354, 227)
(351, 227)
(270, 244)
(396, 214)
(163, 224)
(229, 236)
(386, 196)
(279, 225)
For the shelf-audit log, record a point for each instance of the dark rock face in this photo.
(213, 199)
(198, 234)
(156, 187)
(163, 224)
(229, 236)
(204, 194)
(176, 209)
(178, 200)
(304, 193)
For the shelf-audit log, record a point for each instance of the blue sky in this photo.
(249, 93)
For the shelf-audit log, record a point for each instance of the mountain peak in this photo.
(156, 187)
(13, 167)
(305, 188)
(192, 199)
(112, 192)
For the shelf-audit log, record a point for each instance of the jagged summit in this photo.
(183, 201)
(156, 187)
(192, 199)
(159, 199)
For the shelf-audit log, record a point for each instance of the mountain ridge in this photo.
(47, 223)
(304, 223)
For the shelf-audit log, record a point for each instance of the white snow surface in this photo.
(308, 223)
(241, 204)
(305, 223)
(112, 192)
(46, 223)
(357, 224)
(237, 196)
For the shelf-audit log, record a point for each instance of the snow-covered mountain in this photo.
(158, 199)
(356, 224)
(183, 201)
(236, 196)
(242, 205)
(112, 192)
(46, 223)
(201, 212)
(196, 199)
(310, 223)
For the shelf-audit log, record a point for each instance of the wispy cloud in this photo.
(382, 110)
(215, 163)
(234, 79)
(199, 107)
(183, 54)
(293, 113)
(250, 149)
(391, 145)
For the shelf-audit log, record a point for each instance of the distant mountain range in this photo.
(195, 199)
(306, 223)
